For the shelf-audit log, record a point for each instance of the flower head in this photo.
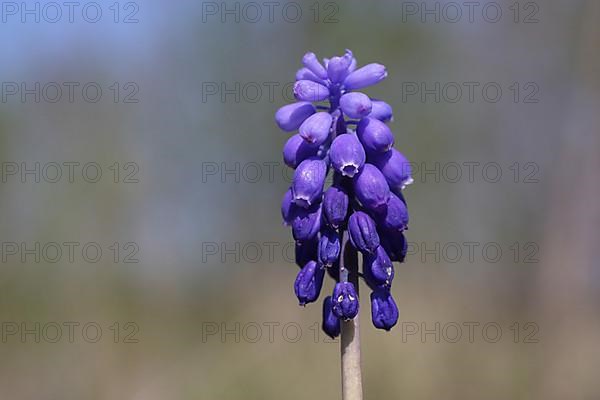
(364, 210)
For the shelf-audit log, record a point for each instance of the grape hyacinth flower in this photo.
(342, 131)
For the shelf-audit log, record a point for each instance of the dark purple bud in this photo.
(355, 104)
(337, 67)
(335, 206)
(315, 129)
(345, 300)
(307, 74)
(290, 117)
(308, 181)
(311, 62)
(394, 217)
(378, 269)
(384, 311)
(347, 154)
(368, 75)
(296, 150)
(381, 110)
(363, 232)
(306, 90)
(306, 222)
(309, 282)
(395, 244)
(329, 246)
(287, 207)
(374, 135)
(331, 324)
(395, 167)
(371, 188)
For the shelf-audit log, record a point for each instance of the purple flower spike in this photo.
(395, 167)
(329, 247)
(363, 232)
(365, 200)
(307, 74)
(368, 75)
(309, 178)
(309, 282)
(375, 135)
(347, 154)
(306, 90)
(335, 206)
(371, 188)
(290, 117)
(378, 269)
(311, 62)
(381, 110)
(331, 324)
(287, 207)
(315, 129)
(306, 223)
(296, 150)
(384, 311)
(356, 105)
(337, 67)
(395, 216)
(345, 301)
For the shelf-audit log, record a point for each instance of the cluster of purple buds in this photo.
(344, 131)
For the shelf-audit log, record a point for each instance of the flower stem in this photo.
(350, 340)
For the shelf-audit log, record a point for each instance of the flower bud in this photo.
(337, 67)
(355, 104)
(395, 167)
(371, 188)
(306, 90)
(296, 150)
(308, 181)
(374, 135)
(305, 251)
(368, 75)
(331, 324)
(345, 300)
(381, 110)
(363, 232)
(395, 244)
(335, 206)
(329, 247)
(291, 116)
(347, 154)
(311, 62)
(306, 222)
(378, 269)
(309, 282)
(394, 217)
(307, 74)
(384, 311)
(315, 129)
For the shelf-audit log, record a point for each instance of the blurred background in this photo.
(143, 255)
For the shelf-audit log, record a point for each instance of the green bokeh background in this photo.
(178, 289)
